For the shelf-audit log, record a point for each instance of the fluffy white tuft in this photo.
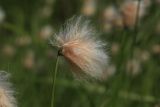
(6, 92)
(79, 45)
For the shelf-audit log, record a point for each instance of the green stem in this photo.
(54, 82)
(136, 22)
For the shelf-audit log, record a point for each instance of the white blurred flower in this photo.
(46, 32)
(110, 71)
(158, 1)
(157, 105)
(115, 48)
(147, 3)
(133, 67)
(129, 11)
(89, 7)
(8, 50)
(145, 56)
(111, 18)
(47, 10)
(23, 40)
(125, 15)
(142, 55)
(156, 49)
(110, 14)
(29, 60)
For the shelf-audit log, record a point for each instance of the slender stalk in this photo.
(136, 22)
(136, 30)
(54, 82)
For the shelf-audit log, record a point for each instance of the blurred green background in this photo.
(132, 78)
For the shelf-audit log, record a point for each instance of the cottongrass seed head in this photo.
(80, 47)
(6, 92)
(131, 8)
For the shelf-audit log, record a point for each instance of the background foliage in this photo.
(133, 76)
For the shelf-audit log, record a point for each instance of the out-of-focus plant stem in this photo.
(54, 82)
(137, 22)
